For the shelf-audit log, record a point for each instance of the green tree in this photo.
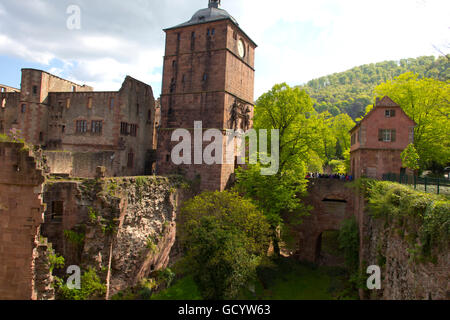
(410, 157)
(224, 237)
(427, 102)
(351, 91)
(290, 110)
(341, 125)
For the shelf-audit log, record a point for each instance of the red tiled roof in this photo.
(386, 102)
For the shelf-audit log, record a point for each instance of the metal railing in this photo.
(438, 185)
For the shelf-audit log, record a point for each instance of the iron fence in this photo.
(438, 185)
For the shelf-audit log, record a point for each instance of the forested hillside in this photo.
(351, 91)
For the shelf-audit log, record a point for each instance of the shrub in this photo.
(422, 219)
(91, 288)
(224, 237)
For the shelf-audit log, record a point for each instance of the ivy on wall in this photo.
(421, 219)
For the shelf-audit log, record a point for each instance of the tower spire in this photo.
(214, 4)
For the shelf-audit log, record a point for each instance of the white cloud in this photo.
(346, 34)
(298, 40)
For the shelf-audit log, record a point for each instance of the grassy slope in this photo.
(287, 280)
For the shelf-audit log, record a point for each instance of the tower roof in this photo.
(212, 13)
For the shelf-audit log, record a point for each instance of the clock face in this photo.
(241, 49)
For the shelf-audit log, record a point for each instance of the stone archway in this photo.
(327, 250)
(332, 202)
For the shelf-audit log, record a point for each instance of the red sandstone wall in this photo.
(49, 118)
(21, 213)
(325, 216)
(187, 96)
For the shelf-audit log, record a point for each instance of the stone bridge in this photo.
(333, 201)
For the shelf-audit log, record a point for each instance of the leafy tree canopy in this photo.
(427, 102)
(351, 91)
(224, 237)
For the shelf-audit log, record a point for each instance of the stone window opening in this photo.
(167, 157)
(35, 90)
(387, 135)
(3, 89)
(74, 89)
(192, 40)
(63, 129)
(124, 129)
(137, 109)
(205, 77)
(172, 85)
(235, 35)
(97, 127)
(174, 64)
(389, 113)
(41, 136)
(81, 126)
(130, 163)
(133, 130)
(68, 103)
(149, 115)
(178, 36)
(23, 108)
(3, 102)
(57, 211)
(89, 103)
(353, 140)
(111, 103)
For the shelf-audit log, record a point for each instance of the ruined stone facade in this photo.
(379, 139)
(128, 225)
(403, 278)
(24, 272)
(334, 201)
(110, 129)
(209, 77)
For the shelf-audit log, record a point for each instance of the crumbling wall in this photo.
(83, 164)
(21, 214)
(403, 278)
(128, 225)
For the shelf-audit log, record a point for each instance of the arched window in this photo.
(130, 163)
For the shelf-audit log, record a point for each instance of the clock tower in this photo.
(208, 76)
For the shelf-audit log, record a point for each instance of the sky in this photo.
(297, 40)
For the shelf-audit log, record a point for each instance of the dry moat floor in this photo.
(286, 279)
